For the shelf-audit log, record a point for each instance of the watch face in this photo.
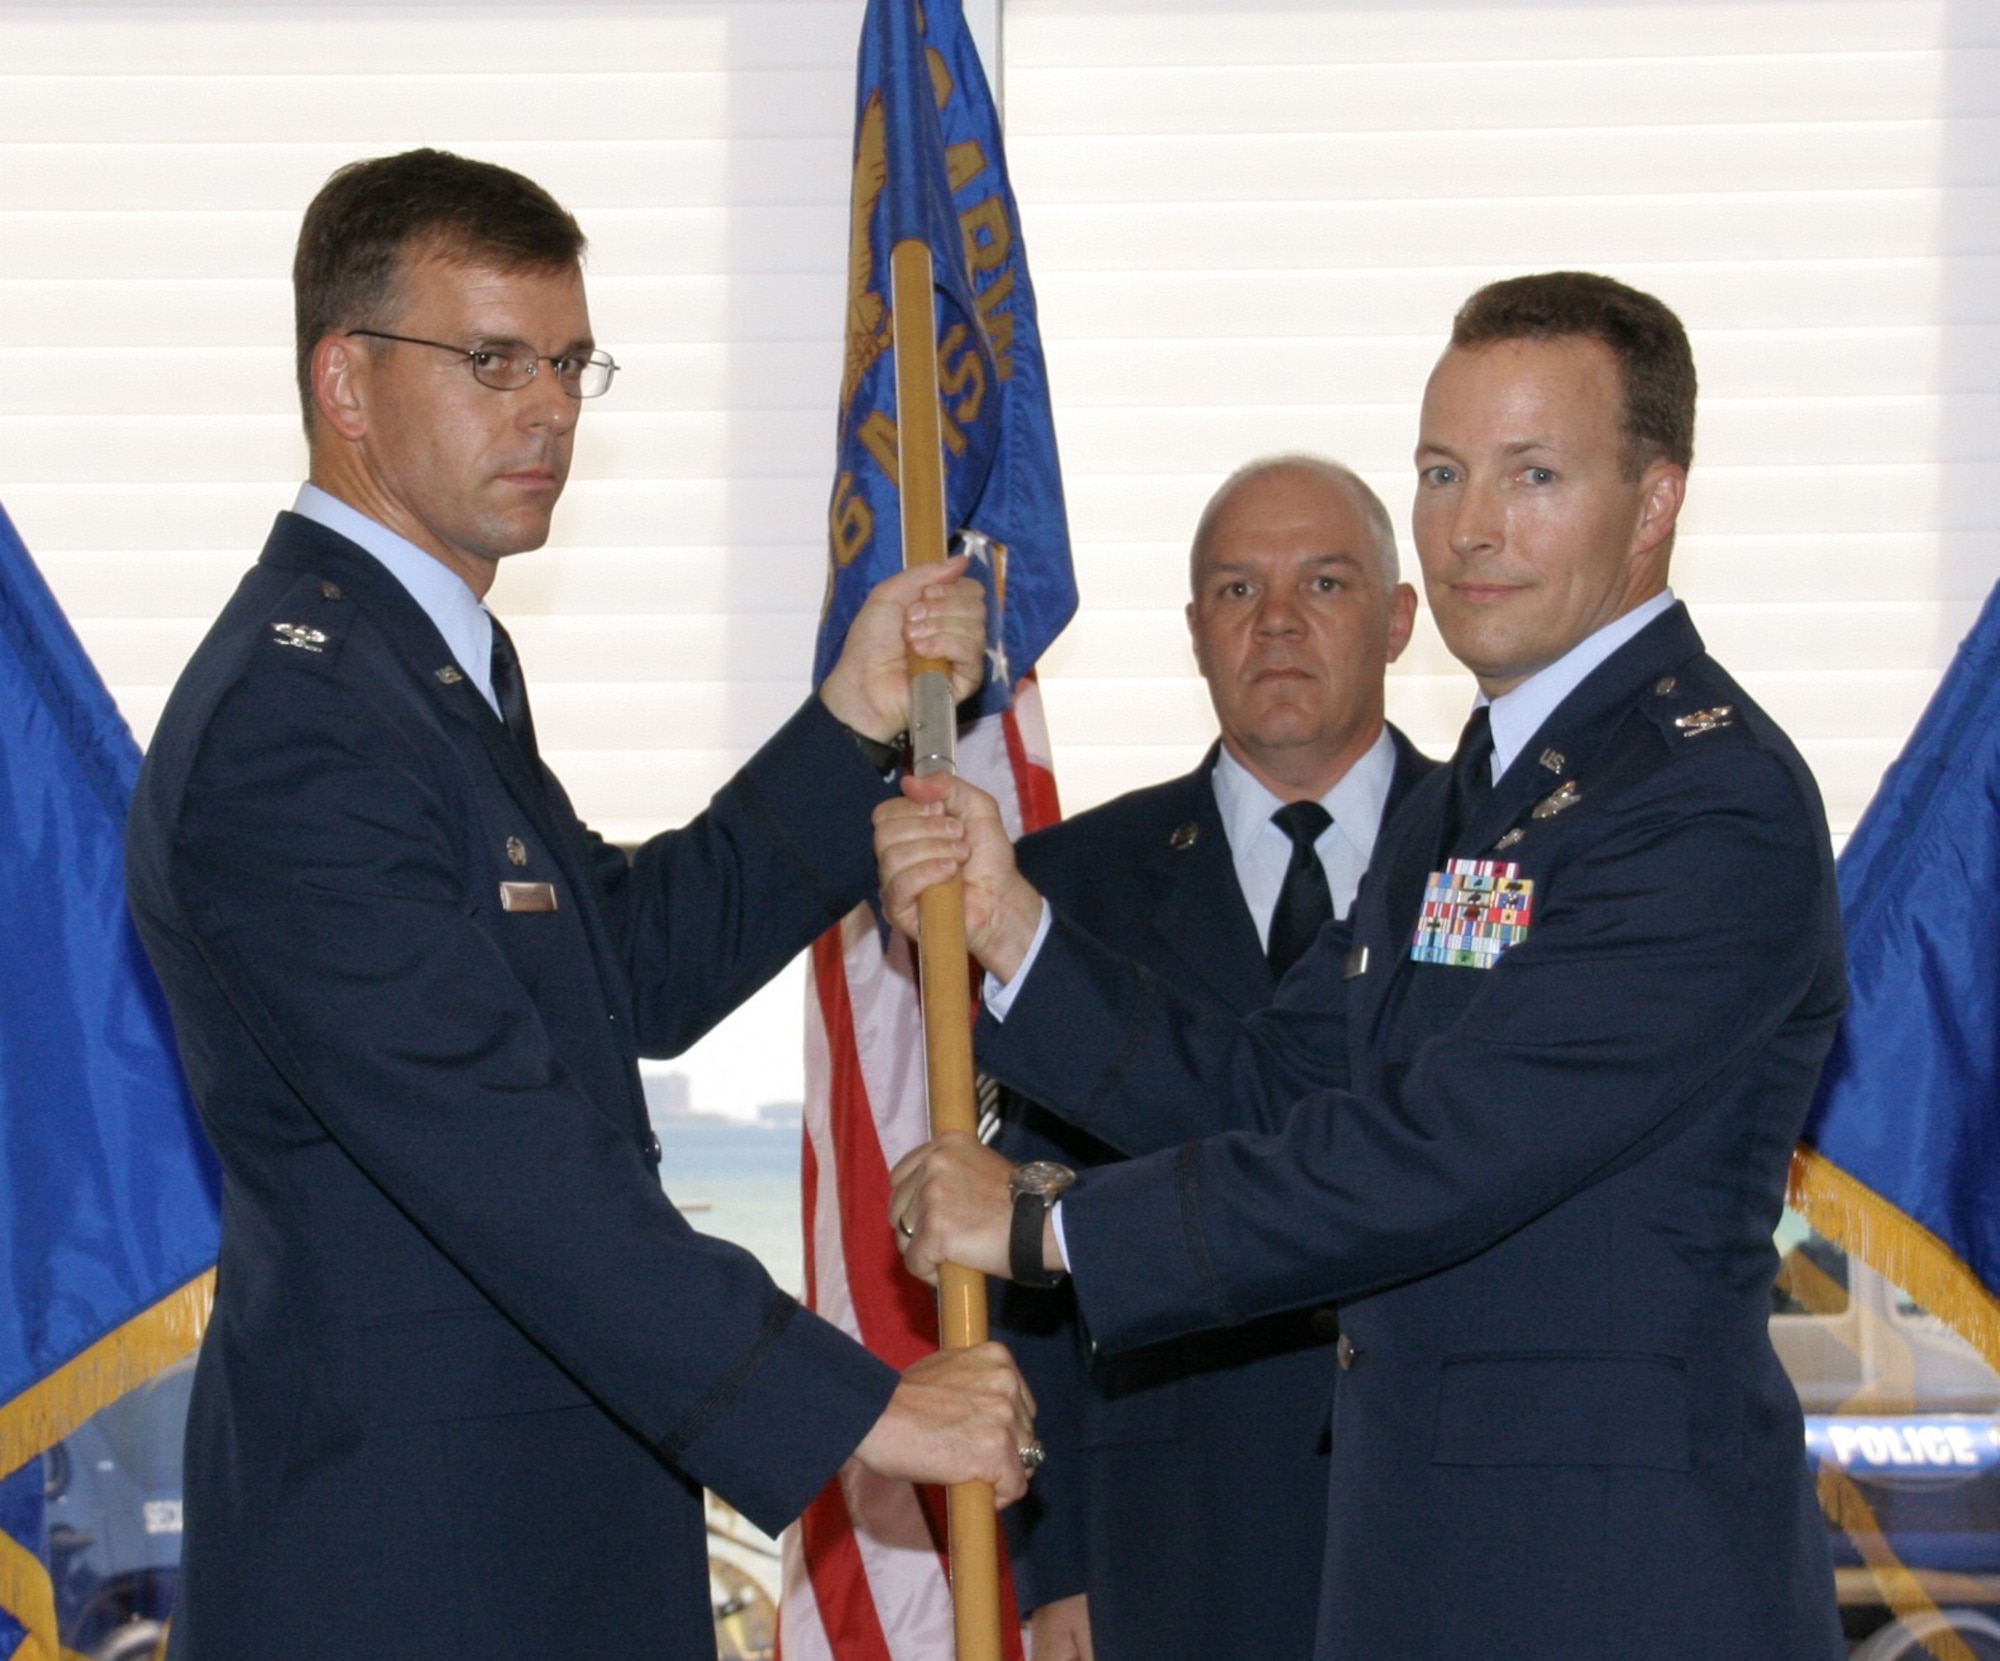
(1040, 1176)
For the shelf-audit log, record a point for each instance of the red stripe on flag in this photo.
(896, 1312)
(809, 1208)
(1034, 785)
(839, 1581)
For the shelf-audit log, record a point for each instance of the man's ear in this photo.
(1662, 489)
(339, 376)
(1402, 618)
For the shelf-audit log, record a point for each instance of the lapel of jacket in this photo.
(309, 548)
(1577, 731)
(1200, 915)
(302, 545)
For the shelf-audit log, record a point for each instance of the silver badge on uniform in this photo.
(1698, 721)
(299, 635)
(1559, 800)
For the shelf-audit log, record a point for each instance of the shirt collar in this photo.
(1520, 714)
(1356, 801)
(452, 607)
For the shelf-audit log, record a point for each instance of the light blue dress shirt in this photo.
(466, 625)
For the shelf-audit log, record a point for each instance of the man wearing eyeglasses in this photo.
(469, 1370)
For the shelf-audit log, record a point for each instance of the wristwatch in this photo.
(1035, 1188)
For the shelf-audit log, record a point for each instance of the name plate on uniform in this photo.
(1474, 909)
(527, 896)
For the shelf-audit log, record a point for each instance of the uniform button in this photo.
(653, 1149)
(1324, 1324)
(1346, 1353)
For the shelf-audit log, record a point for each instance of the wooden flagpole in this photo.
(947, 990)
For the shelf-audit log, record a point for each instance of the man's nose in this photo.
(1476, 522)
(544, 403)
(1278, 612)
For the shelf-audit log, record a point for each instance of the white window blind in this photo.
(1249, 224)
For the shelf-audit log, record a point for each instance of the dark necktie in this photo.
(510, 692)
(1471, 776)
(1304, 902)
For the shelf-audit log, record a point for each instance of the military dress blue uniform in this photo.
(1543, 1202)
(469, 1370)
(1186, 1487)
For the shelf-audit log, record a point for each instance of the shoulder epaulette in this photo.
(309, 621)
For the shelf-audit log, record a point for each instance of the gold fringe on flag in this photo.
(1903, 1593)
(47, 1411)
(27, 1595)
(1858, 1220)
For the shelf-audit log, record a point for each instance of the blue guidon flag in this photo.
(108, 1191)
(928, 166)
(1900, 1160)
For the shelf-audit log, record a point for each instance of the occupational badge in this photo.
(1559, 800)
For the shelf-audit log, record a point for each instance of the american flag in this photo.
(865, 1567)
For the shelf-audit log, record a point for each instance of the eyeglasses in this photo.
(509, 367)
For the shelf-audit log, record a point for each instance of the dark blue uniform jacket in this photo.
(469, 1368)
(1187, 1489)
(1543, 1200)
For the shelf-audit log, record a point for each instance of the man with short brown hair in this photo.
(469, 1369)
(1530, 1129)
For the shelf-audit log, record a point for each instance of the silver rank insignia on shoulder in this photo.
(297, 634)
(1184, 837)
(449, 674)
(1555, 761)
(517, 851)
(1698, 721)
(1508, 841)
(1565, 796)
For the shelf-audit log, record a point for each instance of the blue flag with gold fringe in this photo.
(928, 166)
(108, 1190)
(1900, 1162)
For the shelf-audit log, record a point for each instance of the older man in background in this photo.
(1183, 1512)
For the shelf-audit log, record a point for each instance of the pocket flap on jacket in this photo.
(459, 1364)
(1563, 1408)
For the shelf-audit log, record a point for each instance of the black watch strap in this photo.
(1024, 1241)
(884, 758)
